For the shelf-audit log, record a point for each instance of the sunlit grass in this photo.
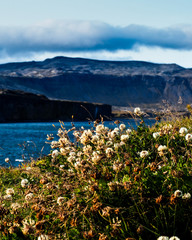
(107, 184)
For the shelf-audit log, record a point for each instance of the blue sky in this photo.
(149, 30)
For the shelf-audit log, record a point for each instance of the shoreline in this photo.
(116, 115)
(149, 114)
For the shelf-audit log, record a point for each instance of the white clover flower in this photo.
(109, 135)
(100, 128)
(15, 206)
(83, 140)
(117, 146)
(10, 191)
(124, 138)
(186, 196)
(101, 142)
(87, 149)
(144, 154)
(72, 154)
(178, 193)
(156, 134)
(183, 130)
(26, 229)
(188, 137)
(88, 133)
(117, 166)
(128, 131)
(24, 183)
(96, 158)
(71, 159)
(76, 134)
(64, 151)
(55, 153)
(174, 238)
(60, 200)
(62, 132)
(162, 148)
(95, 139)
(116, 129)
(8, 197)
(43, 237)
(121, 144)
(54, 144)
(59, 132)
(138, 111)
(29, 197)
(167, 127)
(63, 141)
(79, 154)
(86, 136)
(109, 152)
(77, 164)
(7, 160)
(163, 238)
(113, 134)
(122, 127)
(112, 186)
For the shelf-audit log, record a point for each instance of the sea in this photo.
(22, 142)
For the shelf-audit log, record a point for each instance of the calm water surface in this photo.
(25, 140)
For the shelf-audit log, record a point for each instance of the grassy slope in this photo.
(104, 187)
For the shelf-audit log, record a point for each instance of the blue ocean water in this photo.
(20, 141)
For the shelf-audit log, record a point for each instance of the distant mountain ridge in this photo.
(119, 83)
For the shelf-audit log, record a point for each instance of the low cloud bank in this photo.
(85, 36)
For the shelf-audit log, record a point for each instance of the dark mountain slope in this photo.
(116, 83)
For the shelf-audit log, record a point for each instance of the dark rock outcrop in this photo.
(129, 83)
(18, 106)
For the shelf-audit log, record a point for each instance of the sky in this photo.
(147, 30)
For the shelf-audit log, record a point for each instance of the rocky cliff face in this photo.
(115, 83)
(18, 106)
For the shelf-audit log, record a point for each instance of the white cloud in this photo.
(96, 40)
(86, 35)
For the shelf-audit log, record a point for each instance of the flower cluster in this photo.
(102, 183)
(167, 238)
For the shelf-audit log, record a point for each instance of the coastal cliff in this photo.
(19, 106)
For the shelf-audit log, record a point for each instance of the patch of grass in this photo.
(107, 184)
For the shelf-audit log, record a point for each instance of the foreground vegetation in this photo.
(116, 183)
